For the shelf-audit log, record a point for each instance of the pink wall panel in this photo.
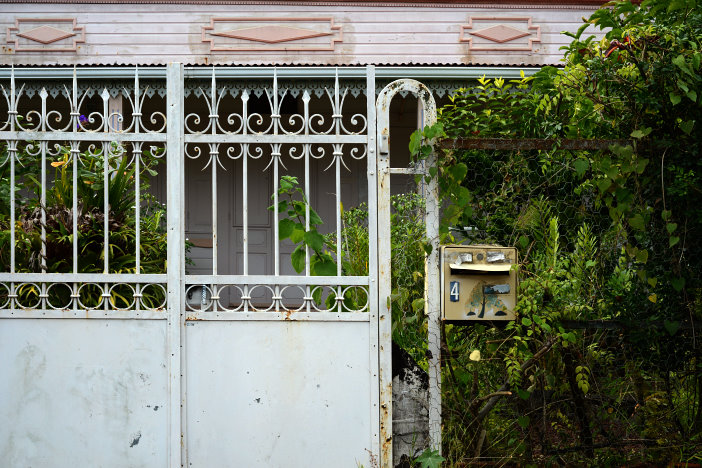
(285, 33)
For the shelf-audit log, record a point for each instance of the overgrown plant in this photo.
(605, 349)
(58, 208)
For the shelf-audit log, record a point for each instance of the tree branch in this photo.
(495, 397)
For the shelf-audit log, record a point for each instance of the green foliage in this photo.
(295, 227)
(430, 459)
(609, 241)
(91, 217)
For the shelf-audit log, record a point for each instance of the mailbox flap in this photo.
(500, 267)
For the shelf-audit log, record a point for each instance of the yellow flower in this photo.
(58, 163)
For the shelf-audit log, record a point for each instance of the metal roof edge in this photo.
(527, 4)
(382, 72)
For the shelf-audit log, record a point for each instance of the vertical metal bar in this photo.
(136, 112)
(337, 150)
(137, 150)
(337, 111)
(245, 195)
(176, 264)
(276, 157)
(375, 354)
(43, 94)
(337, 155)
(384, 280)
(432, 298)
(276, 240)
(106, 198)
(307, 148)
(214, 150)
(275, 115)
(136, 115)
(106, 187)
(75, 151)
(11, 152)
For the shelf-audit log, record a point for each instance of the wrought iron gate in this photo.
(247, 364)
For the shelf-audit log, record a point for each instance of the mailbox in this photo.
(478, 282)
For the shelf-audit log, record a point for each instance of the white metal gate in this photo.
(240, 366)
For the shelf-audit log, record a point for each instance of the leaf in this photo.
(653, 298)
(287, 183)
(673, 240)
(678, 283)
(430, 459)
(285, 227)
(298, 234)
(637, 134)
(418, 305)
(317, 295)
(459, 172)
(674, 98)
(671, 227)
(415, 142)
(474, 355)
(686, 126)
(314, 240)
(603, 184)
(523, 242)
(671, 327)
(679, 61)
(314, 218)
(642, 256)
(297, 258)
(434, 131)
(637, 222)
(653, 282)
(324, 266)
(523, 421)
(581, 166)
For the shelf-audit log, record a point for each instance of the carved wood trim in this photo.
(466, 36)
(274, 38)
(13, 35)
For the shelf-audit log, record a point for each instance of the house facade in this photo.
(246, 358)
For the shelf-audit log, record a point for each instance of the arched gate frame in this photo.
(432, 297)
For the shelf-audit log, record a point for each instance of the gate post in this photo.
(431, 278)
(175, 180)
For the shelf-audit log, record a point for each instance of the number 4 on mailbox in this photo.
(454, 291)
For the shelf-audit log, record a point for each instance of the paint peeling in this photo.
(135, 439)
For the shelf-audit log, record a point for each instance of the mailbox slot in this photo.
(478, 282)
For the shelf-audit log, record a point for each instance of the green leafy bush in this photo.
(603, 364)
(58, 209)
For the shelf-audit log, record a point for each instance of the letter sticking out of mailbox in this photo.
(478, 282)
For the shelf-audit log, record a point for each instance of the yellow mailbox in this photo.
(478, 282)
